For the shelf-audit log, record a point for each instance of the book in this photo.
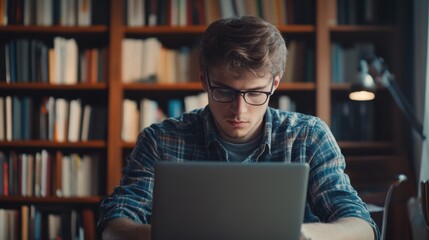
(61, 117)
(86, 122)
(9, 125)
(2, 119)
(16, 118)
(2, 161)
(74, 126)
(25, 224)
(129, 120)
(46, 174)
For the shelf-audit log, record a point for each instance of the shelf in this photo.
(196, 86)
(65, 200)
(96, 144)
(362, 29)
(54, 87)
(350, 145)
(199, 29)
(189, 86)
(99, 29)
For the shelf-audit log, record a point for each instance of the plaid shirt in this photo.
(288, 137)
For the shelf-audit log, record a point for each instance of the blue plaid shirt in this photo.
(288, 137)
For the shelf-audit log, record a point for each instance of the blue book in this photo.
(175, 108)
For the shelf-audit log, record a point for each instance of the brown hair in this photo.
(244, 43)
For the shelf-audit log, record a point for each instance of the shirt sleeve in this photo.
(330, 191)
(132, 199)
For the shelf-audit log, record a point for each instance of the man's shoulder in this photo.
(292, 119)
(187, 121)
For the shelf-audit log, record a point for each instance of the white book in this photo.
(183, 13)
(241, 7)
(136, 13)
(202, 100)
(151, 50)
(129, 120)
(71, 62)
(61, 110)
(137, 61)
(59, 57)
(83, 178)
(3, 224)
(85, 122)
(226, 8)
(286, 103)
(148, 113)
(128, 54)
(9, 126)
(48, 19)
(66, 166)
(38, 174)
(44, 181)
(2, 119)
(70, 12)
(44, 12)
(74, 120)
(84, 12)
(28, 8)
(54, 226)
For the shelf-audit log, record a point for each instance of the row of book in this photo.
(203, 12)
(138, 115)
(53, 12)
(147, 60)
(44, 174)
(353, 121)
(31, 60)
(49, 118)
(39, 222)
(345, 60)
(364, 12)
(300, 64)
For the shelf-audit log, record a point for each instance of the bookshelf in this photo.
(316, 95)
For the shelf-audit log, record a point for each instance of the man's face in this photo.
(238, 121)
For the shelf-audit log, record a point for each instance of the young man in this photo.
(241, 63)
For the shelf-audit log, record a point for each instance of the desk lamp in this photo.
(363, 89)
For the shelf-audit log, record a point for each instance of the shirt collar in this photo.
(212, 137)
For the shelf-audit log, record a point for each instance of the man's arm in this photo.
(123, 228)
(350, 228)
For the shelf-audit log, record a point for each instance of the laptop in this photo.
(219, 200)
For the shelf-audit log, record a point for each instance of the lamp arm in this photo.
(402, 102)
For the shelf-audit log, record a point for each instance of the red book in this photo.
(5, 178)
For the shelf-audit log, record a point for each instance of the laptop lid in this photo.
(218, 200)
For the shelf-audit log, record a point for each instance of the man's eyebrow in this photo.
(223, 85)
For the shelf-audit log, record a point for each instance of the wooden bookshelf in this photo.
(318, 95)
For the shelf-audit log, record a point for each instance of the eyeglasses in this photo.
(227, 95)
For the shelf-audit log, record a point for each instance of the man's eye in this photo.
(254, 94)
(225, 92)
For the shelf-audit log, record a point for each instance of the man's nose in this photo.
(239, 105)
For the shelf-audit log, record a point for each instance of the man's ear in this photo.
(202, 76)
(277, 81)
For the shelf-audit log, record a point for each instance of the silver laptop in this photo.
(215, 200)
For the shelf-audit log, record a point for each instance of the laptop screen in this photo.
(219, 200)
